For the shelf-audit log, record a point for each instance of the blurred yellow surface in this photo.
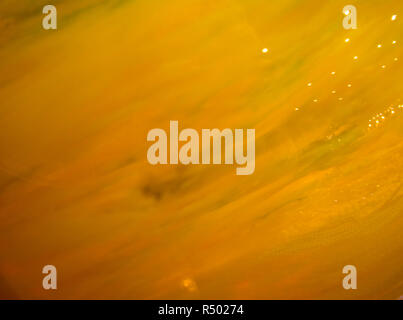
(77, 192)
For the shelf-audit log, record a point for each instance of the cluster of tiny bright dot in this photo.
(381, 117)
(349, 85)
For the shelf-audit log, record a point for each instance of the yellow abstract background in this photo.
(77, 192)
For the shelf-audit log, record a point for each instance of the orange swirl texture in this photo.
(77, 192)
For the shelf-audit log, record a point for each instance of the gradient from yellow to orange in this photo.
(76, 190)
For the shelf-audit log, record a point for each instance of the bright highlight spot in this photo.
(189, 284)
